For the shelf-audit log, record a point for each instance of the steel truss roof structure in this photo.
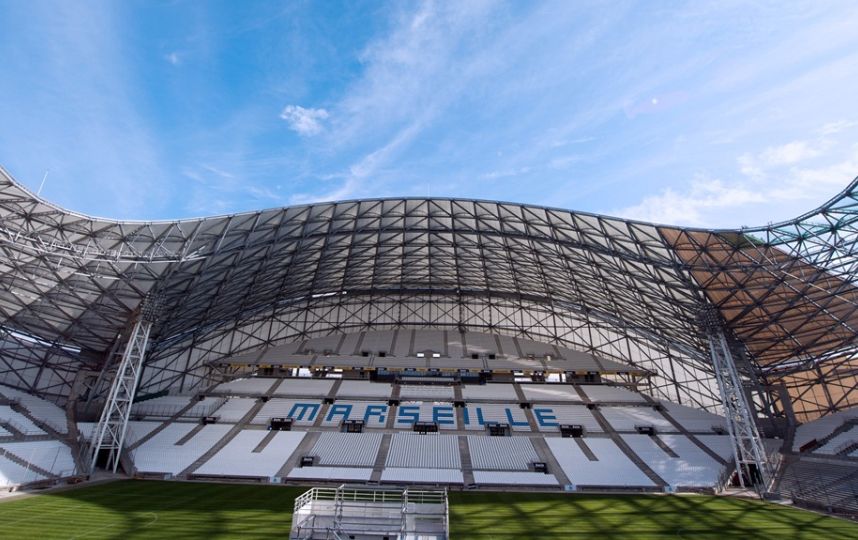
(70, 286)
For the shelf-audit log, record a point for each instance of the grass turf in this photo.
(504, 516)
(149, 509)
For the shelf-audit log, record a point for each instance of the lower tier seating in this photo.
(175, 448)
(690, 467)
(611, 467)
(242, 456)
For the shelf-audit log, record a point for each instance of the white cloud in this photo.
(779, 182)
(173, 58)
(788, 154)
(305, 122)
(693, 205)
(836, 127)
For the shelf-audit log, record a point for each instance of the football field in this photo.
(160, 510)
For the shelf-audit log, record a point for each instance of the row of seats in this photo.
(311, 387)
(586, 462)
(18, 422)
(823, 427)
(171, 405)
(52, 456)
(474, 415)
(43, 410)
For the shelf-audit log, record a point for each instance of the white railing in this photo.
(346, 510)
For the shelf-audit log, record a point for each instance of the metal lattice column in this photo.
(747, 445)
(113, 425)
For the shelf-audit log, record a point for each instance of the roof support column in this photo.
(113, 425)
(748, 451)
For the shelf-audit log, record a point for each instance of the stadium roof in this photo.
(73, 283)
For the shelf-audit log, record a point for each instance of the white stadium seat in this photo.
(330, 473)
(347, 449)
(693, 467)
(42, 410)
(499, 478)
(162, 454)
(501, 453)
(411, 450)
(613, 467)
(238, 458)
(252, 386)
(600, 393)
(550, 392)
(626, 418)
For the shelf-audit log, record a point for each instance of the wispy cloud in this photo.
(779, 182)
(303, 121)
(173, 58)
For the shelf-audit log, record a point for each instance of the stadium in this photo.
(426, 368)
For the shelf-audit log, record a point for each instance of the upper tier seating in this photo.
(347, 449)
(414, 392)
(599, 393)
(234, 409)
(442, 414)
(839, 442)
(612, 469)
(239, 458)
(550, 392)
(693, 467)
(170, 405)
(302, 412)
(694, 420)
(52, 456)
(372, 413)
(318, 388)
(626, 418)
(135, 432)
(822, 427)
(551, 417)
(19, 422)
(411, 450)
(364, 389)
(501, 453)
(251, 386)
(42, 410)
(163, 454)
(476, 415)
(496, 392)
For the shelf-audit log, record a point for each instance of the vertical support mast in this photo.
(113, 425)
(748, 447)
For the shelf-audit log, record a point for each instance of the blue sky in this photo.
(698, 113)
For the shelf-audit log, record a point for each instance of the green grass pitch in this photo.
(149, 509)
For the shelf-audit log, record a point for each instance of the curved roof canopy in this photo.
(787, 292)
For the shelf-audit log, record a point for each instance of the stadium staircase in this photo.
(465, 458)
(230, 435)
(845, 451)
(381, 457)
(847, 425)
(163, 425)
(303, 449)
(27, 465)
(548, 458)
(691, 437)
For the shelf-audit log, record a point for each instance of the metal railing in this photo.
(354, 510)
